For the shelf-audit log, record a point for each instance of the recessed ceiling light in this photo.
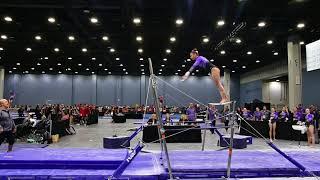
(141, 65)
(18, 64)
(301, 25)
(197, 70)
(43, 72)
(7, 18)
(257, 61)
(160, 73)
(84, 49)
(124, 69)
(92, 72)
(269, 42)
(234, 60)
(192, 74)
(165, 59)
(142, 73)
(205, 40)
(276, 53)
(238, 41)
(140, 50)
(4, 37)
(126, 73)
(233, 71)
(79, 64)
(179, 21)
(59, 64)
(162, 65)
(168, 51)
(220, 23)
(94, 20)
(112, 50)
(179, 70)
(27, 72)
(51, 19)
(261, 24)
(139, 38)
(1, 49)
(38, 64)
(59, 72)
(109, 72)
(249, 52)
(160, 69)
(46, 58)
(141, 59)
(211, 60)
(136, 20)
(117, 59)
(183, 65)
(71, 38)
(301, 43)
(105, 38)
(37, 37)
(28, 49)
(50, 69)
(121, 65)
(100, 65)
(56, 49)
(76, 72)
(32, 68)
(277, 80)
(172, 39)
(176, 73)
(10, 71)
(69, 58)
(243, 67)
(93, 58)
(222, 52)
(223, 66)
(106, 69)
(87, 69)
(14, 68)
(188, 60)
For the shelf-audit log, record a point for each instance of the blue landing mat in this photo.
(68, 158)
(76, 163)
(244, 163)
(145, 166)
(23, 145)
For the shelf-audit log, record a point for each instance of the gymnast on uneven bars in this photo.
(203, 62)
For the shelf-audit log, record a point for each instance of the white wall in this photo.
(275, 93)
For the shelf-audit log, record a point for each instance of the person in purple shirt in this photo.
(272, 124)
(191, 112)
(257, 114)
(297, 114)
(246, 114)
(310, 125)
(212, 113)
(202, 62)
(284, 114)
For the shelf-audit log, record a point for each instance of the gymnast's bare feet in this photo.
(223, 101)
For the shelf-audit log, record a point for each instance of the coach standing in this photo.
(7, 126)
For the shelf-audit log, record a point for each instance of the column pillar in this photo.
(2, 70)
(226, 82)
(294, 71)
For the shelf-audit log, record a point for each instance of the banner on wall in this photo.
(313, 55)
